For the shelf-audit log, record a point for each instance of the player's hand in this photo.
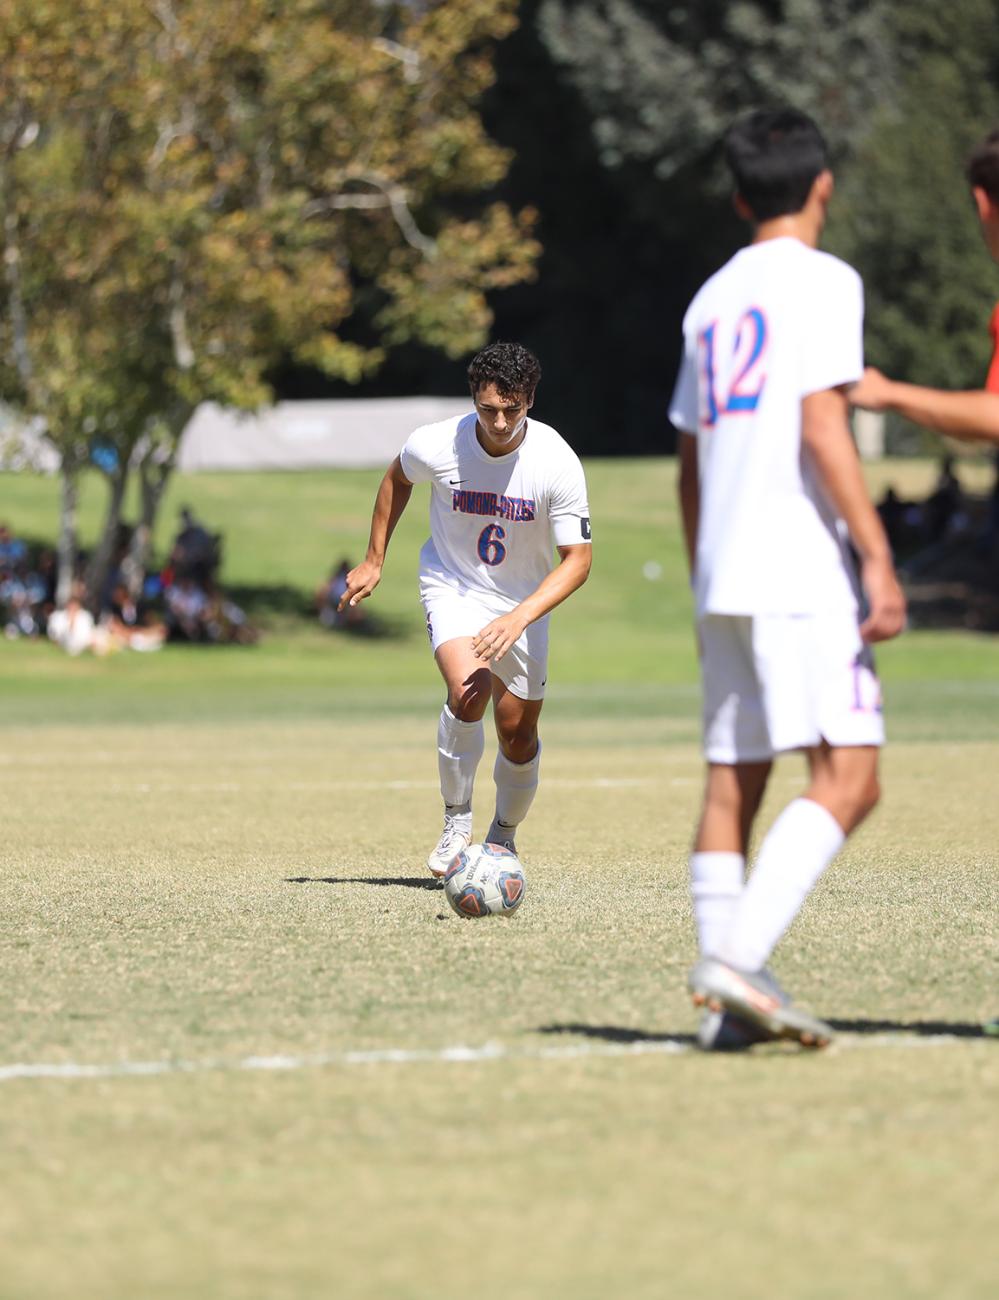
(873, 392)
(885, 601)
(361, 582)
(496, 638)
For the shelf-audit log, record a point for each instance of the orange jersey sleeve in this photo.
(992, 382)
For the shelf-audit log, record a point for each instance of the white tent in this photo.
(23, 445)
(353, 433)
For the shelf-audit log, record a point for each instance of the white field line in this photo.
(231, 787)
(455, 1055)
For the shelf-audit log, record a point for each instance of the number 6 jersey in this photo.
(778, 322)
(495, 520)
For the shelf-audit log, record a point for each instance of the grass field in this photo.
(214, 903)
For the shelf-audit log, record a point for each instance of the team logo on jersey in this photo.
(516, 509)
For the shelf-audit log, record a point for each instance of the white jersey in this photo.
(779, 321)
(495, 520)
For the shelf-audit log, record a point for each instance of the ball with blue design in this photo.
(485, 880)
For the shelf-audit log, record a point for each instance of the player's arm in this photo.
(973, 416)
(826, 439)
(393, 497)
(690, 494)
(496, 638)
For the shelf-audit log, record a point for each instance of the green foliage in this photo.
(210, 180)
(191, 194)
(903, 213)
(662, 83)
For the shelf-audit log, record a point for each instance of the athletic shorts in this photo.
(778, 682)
(450, 614)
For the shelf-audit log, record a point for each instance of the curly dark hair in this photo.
(512, 368)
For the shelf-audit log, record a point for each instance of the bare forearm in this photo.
(827, 441)
(969, 415)
(393, 497)
(567, 577)
(690, 498)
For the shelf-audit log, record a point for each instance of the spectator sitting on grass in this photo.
(74, 628)
(131, 624)
(329, 595)
(25, 589)
(204, 615)
(196, 551)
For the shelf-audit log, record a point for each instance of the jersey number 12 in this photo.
(738, 390)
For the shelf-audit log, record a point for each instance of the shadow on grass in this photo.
(400, 882)
(920, 1028)
(615, 1034)
(283, 603)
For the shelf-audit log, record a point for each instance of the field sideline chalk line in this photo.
(456, 1055)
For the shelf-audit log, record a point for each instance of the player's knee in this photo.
(468, 701)
(519, 744)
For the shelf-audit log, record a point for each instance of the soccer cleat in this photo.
(501, 834)
(720, 1031)
(455, 837)
(755, 996)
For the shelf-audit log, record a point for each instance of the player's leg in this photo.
(732, 799)
(518, 688)
(820, 694)
(799, 846)
(738, 750)
(518, 761)
(460, 744)
(732, 796)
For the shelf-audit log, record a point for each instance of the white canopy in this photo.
(352, 433)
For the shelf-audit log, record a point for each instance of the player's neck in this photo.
(803, 226)
(493, 448)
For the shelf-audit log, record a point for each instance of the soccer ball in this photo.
(485, 880)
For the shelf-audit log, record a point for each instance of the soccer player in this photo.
(771, 489)
(972, 415)
(505, 492)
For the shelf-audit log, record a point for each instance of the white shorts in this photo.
(777, 682)
(450, 614)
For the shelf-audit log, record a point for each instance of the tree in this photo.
(203, 189)
(634, 208)
(903, 214)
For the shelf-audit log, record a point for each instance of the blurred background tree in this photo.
(326, 197)
(634, 198)
(615, 111)
(194, 194)
(903, 212)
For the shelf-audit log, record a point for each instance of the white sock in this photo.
(459, 748)
(516, 786)
(716, 881)
(797, 849)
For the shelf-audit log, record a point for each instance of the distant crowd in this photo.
(948, 514)
(183, 601)
(27, 587)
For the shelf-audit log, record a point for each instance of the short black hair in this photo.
(514, 370)
(983, 166)
(775, 154)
